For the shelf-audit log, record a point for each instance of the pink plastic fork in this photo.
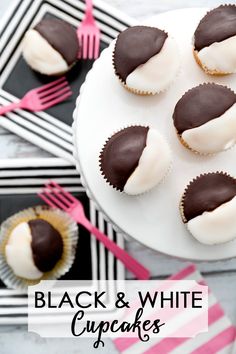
(42, 97)
(89, 34)
(57, 197)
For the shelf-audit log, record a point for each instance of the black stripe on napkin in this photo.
(33, 168)
(14, 13)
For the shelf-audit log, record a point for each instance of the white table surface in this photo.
(221, 276)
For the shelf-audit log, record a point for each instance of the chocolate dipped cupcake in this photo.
(33, 248)
(208, 208)
(36, 243)
(205, 118)
(51, 47)
(145, 59)
(135, 159)
(215, 41)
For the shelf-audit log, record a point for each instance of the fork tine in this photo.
(53, 89)
(59, 195)
(85, 47)
(91, 47)
(55, 95)
(80, 46)
(44, 87)
(56, 101)
(96, 46)
(46, 200)
(57, 202)
(67, 194)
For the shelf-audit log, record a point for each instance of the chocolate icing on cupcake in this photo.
(135, 159)
(208, 208)
(218, 25)
(121, 155)
(135, 46)
(61, 36)
(205, 118)
(208, 192)
(202, 104)
(47, 244)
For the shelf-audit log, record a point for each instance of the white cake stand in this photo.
(104, 106)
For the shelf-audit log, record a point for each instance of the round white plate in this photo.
(105, 106)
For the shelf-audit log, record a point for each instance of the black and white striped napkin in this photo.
(20, 180)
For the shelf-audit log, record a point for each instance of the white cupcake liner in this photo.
(62, 222)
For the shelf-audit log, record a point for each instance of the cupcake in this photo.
(35, 244)
(51, 47)
(145, 59)
(135, 159)
(205, 118)
(208, 208)
(215, 41)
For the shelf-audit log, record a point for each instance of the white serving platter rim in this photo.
(196, 251)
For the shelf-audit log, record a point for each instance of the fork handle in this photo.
(131, 264)
(10, 107)
(89, 9)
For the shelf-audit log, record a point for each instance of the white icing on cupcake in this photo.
(158, 72)
(217, 226)
(215, 135)
(19, 254)
(220, 56)
(153, 164)
(41, 56)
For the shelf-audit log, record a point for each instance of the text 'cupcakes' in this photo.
(215, 41)
(145, 59)
(205, 118)
(208, 208)
(51, 47)
(135, 159)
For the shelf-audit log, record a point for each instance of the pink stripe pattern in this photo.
(221, 333)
